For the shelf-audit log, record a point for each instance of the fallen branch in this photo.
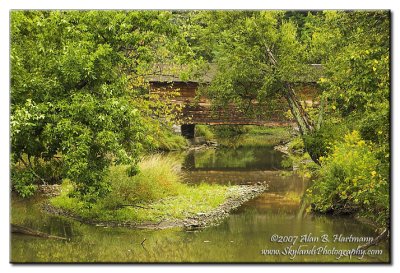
(32, 232)
(136, 206)
(383, 235)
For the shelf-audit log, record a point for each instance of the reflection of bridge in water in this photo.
(243, 165)
(275, 180)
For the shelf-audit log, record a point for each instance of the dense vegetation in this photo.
(261, 55)
(156, 193)
(80, 104)
(354, 139)
(79, 101)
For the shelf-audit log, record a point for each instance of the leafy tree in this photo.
(78, 92)
(354, 47)
(259, 57)
(355, 50)
(261, 54)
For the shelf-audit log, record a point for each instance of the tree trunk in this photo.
(303, 120)
(306, 126)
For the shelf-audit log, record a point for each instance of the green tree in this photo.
(78, 92)
(354, 48)
(259, 56)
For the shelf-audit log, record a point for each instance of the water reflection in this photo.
(239, 238)
(239, 159)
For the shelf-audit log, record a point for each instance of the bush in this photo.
(229, 130)
(168, 141)
(204, 131)
(22, 181)
(318, 143)
(351, 180)
(296, 145)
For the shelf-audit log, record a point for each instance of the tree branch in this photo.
(384, 234)
(33, 172)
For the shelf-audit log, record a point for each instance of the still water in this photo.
(245, 236)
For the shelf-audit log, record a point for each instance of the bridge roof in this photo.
(174, 73)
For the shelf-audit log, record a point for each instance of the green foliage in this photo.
(158, 177)
(351, 180)
(77, 88)
(204, 131)
(165, 140)
(296, 145)
(242, 44)
(254, 136)
(21, 180)
(156, 193)
(227, 131)
(354, 48)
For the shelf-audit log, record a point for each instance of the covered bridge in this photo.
(197, 109)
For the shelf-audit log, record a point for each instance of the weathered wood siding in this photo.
(198, 110)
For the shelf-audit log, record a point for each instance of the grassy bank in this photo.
(155, 194)
(234, 136)
(166, 140)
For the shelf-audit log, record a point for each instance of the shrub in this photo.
(229, 130)
(30, 172)
(22, 181)
(168, 141)
(351, 180)
(296, 145)
(204, 131)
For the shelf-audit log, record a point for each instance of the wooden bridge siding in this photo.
(204, 114)
(201, 112)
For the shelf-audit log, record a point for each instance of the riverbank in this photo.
(238, 232)
(193, 215)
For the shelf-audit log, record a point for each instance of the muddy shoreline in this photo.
(238, 195)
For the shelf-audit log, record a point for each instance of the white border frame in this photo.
(7, 5)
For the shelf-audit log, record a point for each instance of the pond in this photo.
(249, 234)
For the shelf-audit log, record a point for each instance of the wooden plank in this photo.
(202, 112)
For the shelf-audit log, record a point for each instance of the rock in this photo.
(237, 196)
(50, 190)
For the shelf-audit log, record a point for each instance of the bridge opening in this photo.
(187, 130)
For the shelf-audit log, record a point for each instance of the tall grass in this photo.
(155, 193)
(158, 177)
